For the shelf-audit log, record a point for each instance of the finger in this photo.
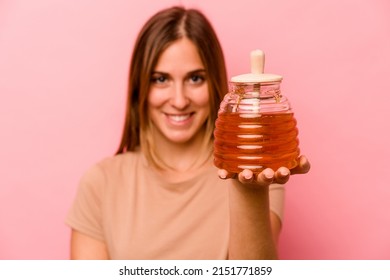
(245, 176)
(266, 177)
(282, 175)
(303, 166)
(224, 174)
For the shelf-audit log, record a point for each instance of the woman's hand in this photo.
(268, 176)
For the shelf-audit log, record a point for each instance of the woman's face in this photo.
(178, 100)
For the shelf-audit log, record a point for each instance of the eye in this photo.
(159, 79)
(197, 79)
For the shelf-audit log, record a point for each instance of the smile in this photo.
(178, 118)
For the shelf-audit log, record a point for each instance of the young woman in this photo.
(160, 196)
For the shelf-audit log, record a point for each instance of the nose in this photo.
(179, 98)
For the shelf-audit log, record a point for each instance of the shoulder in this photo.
(119, 161)
(112, 167)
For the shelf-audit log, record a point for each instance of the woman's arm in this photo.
(254, 229)
(250, 223)
(84, 247)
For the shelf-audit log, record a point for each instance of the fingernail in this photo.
(222, 174)
(268, 174)
(284, 172)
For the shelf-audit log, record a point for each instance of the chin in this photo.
(179, 140)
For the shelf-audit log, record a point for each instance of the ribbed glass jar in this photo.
(255, 129)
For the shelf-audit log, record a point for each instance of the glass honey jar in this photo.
(256, 127)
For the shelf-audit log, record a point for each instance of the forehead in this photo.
(181, 56)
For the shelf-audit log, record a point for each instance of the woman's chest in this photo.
(151, 221)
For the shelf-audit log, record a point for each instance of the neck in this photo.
(182, 157)
(184, 164)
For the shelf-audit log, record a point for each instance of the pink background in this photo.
(63, 71)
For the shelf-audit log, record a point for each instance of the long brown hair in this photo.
(161, 30)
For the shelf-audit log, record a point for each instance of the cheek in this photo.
(202, 98)
(155, 99)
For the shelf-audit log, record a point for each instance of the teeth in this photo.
(179, 118)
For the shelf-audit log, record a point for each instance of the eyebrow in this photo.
(189, 73)
(198, 70)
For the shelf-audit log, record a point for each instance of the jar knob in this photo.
(257, 74)
(257, 62)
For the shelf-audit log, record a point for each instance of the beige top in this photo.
(139, 215)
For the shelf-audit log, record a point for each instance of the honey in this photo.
(255, 141)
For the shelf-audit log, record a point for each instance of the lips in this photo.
(176, 118)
